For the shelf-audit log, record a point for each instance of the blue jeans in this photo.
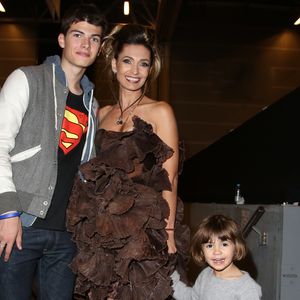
(45, 258)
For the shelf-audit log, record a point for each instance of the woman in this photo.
(122, 211)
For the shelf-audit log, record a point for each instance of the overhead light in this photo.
(297, 22)
(2, 9)
(126, 8)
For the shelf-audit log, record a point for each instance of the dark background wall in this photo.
(18, 47)
(229, 60)
(262, 155)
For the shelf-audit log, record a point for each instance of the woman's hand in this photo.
(171, 242)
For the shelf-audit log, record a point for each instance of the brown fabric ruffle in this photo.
(117, 219)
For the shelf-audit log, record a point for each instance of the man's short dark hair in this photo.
(83, 12)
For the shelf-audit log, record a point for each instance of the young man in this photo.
(47, 129)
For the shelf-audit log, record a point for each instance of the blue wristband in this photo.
(10, 215)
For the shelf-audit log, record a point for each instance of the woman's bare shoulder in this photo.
(161, 109)
(158, 113)
(158, 104)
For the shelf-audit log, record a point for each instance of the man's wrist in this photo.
(10, 214)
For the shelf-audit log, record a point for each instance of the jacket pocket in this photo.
(25, 154)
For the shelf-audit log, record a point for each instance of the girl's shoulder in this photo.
(250, 282)
(205, 274)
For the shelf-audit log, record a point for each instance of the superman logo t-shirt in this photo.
(71, 143)
(74, 126)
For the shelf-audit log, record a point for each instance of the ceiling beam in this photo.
(54, 8)
(168, 12)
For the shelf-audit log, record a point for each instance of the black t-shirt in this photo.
(71, 143)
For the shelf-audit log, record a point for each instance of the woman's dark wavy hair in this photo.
(222, 227)
(83, 12)
(132, 34)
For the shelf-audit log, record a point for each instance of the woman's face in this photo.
(132, 67)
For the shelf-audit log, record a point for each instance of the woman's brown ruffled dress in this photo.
(117, 218)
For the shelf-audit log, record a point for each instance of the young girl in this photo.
(218, 242)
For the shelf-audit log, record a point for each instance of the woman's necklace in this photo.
(120, 120)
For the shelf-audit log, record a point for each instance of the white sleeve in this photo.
(14, 99)
(182, 291)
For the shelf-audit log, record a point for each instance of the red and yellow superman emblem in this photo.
(74, 125)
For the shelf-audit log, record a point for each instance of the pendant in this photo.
(119, 121)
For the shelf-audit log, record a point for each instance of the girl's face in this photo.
(219, 255)
(132, 67)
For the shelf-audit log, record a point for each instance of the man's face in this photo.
(81, 44)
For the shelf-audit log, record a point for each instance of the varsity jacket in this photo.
(32, 105)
